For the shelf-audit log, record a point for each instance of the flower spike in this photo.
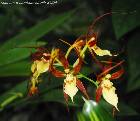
(43, 62)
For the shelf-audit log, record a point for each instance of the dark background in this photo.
(119, 33)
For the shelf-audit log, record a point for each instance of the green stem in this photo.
(90, 80)
(10, 99)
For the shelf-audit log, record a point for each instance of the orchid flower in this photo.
(108, 91)
(106, 87)
(71, 83)
(93, 46)
(41, 64)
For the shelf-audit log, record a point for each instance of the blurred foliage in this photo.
(128, 19)
(24, 27)
(94, 112)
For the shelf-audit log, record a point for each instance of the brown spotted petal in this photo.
(81, 87)
(117, 74)
(63, 60)
(56, 72)
(98, 94)
(77, 66)
(92, 41)
(36, 56)
(39, 53)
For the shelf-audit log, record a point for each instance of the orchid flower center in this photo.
(70, 85)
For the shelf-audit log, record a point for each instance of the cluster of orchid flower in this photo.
(43, 62)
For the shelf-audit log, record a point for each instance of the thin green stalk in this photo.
(90, 80)
(10, 99)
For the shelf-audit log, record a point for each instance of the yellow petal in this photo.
(70, 90)
(101, 52)
(70, 86)
(42, 66)
(110, 96)
(33, 67)
(54, 53)
(108, 76)
(106, 82)
(108, 91)
(36, 75)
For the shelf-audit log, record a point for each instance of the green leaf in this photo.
(126, 110)
(55, 95)
(22, 89)
(81, 117)
(28, 37)
(4, 20)
(133, 50)
(14, 55)
(93, 111)
(13, 94)
(20, 68)
(127, 18)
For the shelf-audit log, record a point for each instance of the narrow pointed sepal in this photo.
(81, 87)
(98, 94)
(101, 52)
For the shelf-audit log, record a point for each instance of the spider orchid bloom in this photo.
(71, 83)
(40, 65)
(84, 42)
(106, 87)
(108, 91)
(70, 86)
(37, 68)
(92, 45)
(41, 61)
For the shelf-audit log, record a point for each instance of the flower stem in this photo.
(10, 99)
(90, 80)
